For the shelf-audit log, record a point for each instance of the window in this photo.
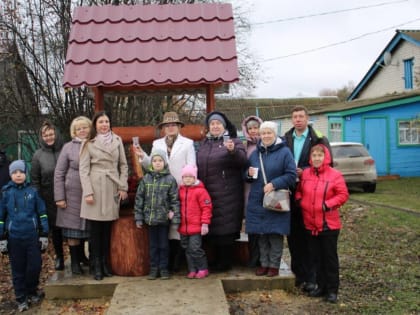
(409, 132)
(408, 74)
(335, 132)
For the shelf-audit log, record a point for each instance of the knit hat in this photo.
(161, 153)
(217, 117)
(269, 125)
(17, 165)
(189, 170)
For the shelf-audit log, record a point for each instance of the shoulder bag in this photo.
(276, 200)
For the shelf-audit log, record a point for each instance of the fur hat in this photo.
(189, 170)
(17, 165)
(270, 125)
(161, 153)
(170, 118)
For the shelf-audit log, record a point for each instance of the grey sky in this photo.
(308, 73)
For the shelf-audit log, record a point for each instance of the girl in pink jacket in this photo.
(320, 193)
(196, 212)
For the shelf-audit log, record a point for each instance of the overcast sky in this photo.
(308, 73)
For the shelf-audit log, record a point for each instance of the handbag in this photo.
(276, 200)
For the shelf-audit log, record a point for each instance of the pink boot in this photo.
(202, 274)
(191, 275)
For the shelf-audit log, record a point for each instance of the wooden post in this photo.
(210, 98)
(99, 98)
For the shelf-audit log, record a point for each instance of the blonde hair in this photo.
(77, 122)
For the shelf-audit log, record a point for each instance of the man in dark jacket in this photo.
(300, 139)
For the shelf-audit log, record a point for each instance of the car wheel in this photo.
(369, 188)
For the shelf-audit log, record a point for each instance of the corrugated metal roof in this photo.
(151, 45)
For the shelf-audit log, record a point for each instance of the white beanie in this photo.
(269, 125)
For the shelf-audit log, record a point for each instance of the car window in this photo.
(349, 152)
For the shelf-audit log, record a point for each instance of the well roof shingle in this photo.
(151, 45)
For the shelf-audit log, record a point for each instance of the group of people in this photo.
(192, 200)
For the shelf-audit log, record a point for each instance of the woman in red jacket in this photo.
(321, 192)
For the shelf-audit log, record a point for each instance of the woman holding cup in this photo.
(221, 160)
(280, 170)
(180, 151)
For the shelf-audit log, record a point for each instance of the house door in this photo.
(376, 141)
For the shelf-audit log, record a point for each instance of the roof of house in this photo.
(365, 105)
(151, 46)
(412, 36)
(237, 109)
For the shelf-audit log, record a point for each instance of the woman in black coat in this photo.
(221, 159)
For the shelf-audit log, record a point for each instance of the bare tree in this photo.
(38, 33)
(342, 93)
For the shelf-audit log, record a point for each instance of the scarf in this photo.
(105, 139)
(170, 143)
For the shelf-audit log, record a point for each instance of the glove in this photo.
(43, 243)
(325, 208)
(3, 247)
(204, 229)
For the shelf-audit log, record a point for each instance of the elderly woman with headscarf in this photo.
(280, 171)
(251, 132)
(221, 159)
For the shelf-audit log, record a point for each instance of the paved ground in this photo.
(179, 295)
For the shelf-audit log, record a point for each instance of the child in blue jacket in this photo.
(23, 233)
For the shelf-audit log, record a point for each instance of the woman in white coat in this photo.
(180, 152)
(103, 173)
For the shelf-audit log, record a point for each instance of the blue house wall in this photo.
(403, 160)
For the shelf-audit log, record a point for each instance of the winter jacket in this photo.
(251, 145)
(22, 212)
(103, 172)
(42, 173)
(196, 208)
(314, 137)
(222, 174)
(280, 170)
(67, 187)
(317, 187)
(157, 194)
(182, 154)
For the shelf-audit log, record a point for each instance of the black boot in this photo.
(106, 268)
(57, 239)
(97, 269)
(75, 262)
(82, 256)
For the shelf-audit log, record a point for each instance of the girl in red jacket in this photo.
(196, 212)
(321, 192)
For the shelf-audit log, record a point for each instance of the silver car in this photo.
(353, 160)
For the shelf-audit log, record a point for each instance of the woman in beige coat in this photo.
(103, 174)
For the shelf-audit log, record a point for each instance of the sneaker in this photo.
(153, 274)
(191, 275)
(272, 272)
(261, 271)
(202, 274)
(331, 297)
(164, 274)
(36, 297)
(23, 306)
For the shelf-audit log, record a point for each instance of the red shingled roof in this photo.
(151, 45)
